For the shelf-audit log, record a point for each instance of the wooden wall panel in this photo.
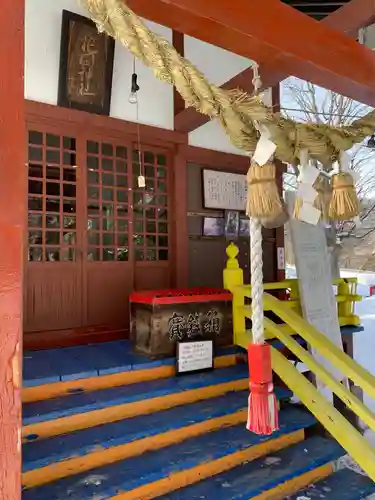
(108, 287)
(152, 276)
(207, 255)
(53, 298)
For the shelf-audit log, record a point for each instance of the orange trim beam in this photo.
(348, 19)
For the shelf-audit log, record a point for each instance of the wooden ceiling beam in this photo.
(348, 19)
(287, 41)
(351, 17)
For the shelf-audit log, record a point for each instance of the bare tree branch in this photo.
(309, 103)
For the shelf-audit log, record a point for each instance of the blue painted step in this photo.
(65, 406)
(253, 478)
(74, 363)
(126, 475)
(56, 449)
(342, 485)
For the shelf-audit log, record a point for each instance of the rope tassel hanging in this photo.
(262, 411)
(344, 203)
(263, 201)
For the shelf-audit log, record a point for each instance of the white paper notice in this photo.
(308, 174)
(264, 150)
(193, 356)
(309, 214)
(280, 258)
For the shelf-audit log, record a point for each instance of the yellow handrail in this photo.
(323, 374)
(289, 313)
(316, 339)
(339, 427)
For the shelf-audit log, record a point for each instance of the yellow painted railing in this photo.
(293, 323)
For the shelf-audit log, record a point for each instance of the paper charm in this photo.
(306, 193)
(308, 174)
(309, 214)
(265, 147)
(345, 161)
(304, 157)
(141, 181)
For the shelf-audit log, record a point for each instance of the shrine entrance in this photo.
(93, 236)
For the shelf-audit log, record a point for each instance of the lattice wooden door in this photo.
(53, 295)
(93, 234)
(151, 219)
(108, 266)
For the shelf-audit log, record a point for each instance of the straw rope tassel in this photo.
(262, 414)
(344, 202)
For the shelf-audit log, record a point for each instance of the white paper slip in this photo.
(264, 150)
(345, 161)
(307, 193)
(304, 157)
(309, 214)
(308, 174)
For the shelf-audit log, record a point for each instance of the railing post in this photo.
(232, 278)
(345, 310)
(294, 295)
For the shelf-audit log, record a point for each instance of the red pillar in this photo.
(181, 219)
(13, 195)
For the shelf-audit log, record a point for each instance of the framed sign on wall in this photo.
(86, 65)
(224, 190)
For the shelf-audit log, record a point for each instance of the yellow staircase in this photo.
(292, 324)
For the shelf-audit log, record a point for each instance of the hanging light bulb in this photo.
(133, 98)
(371, 142)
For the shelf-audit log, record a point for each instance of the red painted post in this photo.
(181, 219)
(13, 194)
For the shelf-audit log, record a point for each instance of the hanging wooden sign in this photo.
(86, 65)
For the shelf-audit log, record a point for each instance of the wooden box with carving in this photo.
(160, 318)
